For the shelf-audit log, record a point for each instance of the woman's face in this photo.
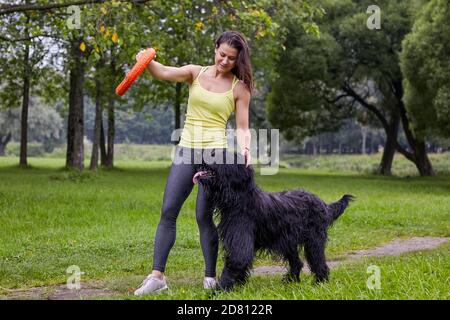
(225, 58)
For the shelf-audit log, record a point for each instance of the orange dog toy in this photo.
(147, 56)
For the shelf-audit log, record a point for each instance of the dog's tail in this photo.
(337, 208)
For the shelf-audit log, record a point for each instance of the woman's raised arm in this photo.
(175, 74)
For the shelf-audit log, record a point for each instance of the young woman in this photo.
(214, 93)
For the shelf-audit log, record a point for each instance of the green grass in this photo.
(420, 275)
(104, 222)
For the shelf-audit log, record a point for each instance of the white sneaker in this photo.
(210, 283)
(151, 284)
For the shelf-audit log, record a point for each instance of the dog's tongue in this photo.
(198, 174)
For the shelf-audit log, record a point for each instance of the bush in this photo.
(33, 149)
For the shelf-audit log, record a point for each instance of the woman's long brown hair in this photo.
(243, 68)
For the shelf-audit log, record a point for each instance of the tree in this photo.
(23, 51)
(181, 32)
(426, 66)
(8, 123)
(297, 103)
(43, 5)
(114, 45)
(375, 57)
(45, 124)
(363, 72)
(186, 34)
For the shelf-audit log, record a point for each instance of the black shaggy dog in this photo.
(277, 222)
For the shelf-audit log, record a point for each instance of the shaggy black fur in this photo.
(276, 222)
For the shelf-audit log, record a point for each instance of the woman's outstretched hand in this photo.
(139, 54)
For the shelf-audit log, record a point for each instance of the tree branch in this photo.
(8, 9)
(337, 98)
(27, 38)
(398, 91)
(408, 155)
(380, 117)
(6, 139)
(346, 88)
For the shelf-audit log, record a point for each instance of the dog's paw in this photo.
(226, 285)
(290, 278)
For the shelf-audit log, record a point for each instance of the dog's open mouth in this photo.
(202, 174)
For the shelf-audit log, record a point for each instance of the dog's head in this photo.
(231, 174)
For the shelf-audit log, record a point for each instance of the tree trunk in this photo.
(369, 143)
(177, 108)
(3, 142)
(419, 153)
(422, 161)
(418, 156)
(319, 145)
(385, 167)
(25, 104)
(109, 163)
(364, 139)
(102, 143)
(75, 131)
(97, 126)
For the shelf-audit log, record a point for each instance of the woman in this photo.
(214, 93)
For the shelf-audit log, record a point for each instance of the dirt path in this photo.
(97, 289)
(61, 292)
(394, 248)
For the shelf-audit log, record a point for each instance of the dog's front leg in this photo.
(227, 278)
(239, 250)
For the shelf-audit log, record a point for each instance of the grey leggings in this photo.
(178, 187)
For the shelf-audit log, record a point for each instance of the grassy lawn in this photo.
(104, 222)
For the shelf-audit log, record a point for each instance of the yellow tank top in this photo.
(206, 116)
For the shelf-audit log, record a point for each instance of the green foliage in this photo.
(9, 122)
(34, 149)
(298, 101)
(426, 66)
(44, 123)
(185, 34)
(21, 30)
(308, 97)
(112, 32)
